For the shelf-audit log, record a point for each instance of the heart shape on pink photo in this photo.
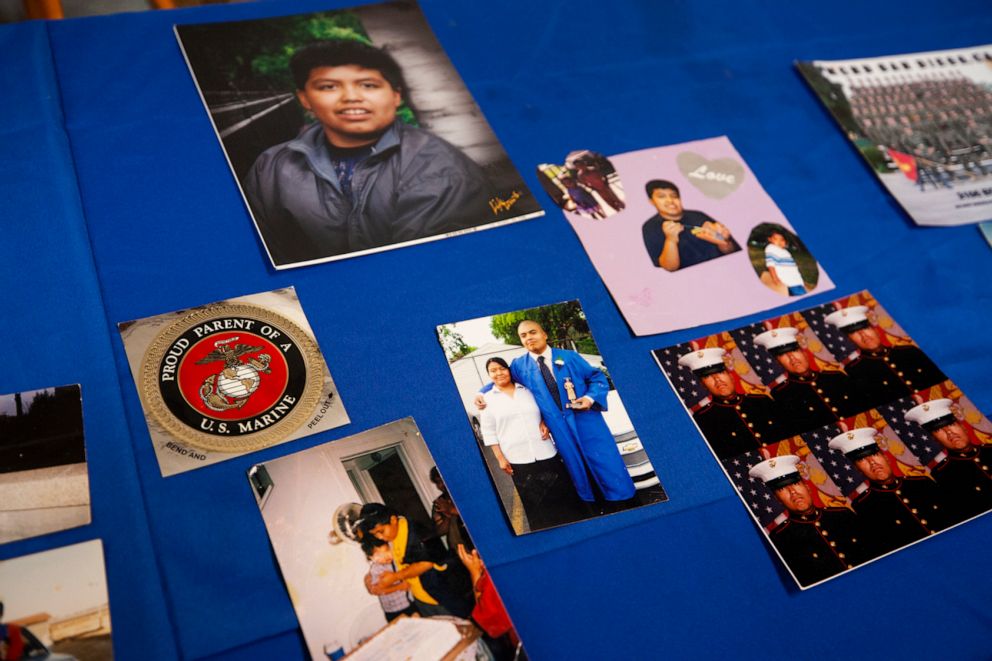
(715, 179)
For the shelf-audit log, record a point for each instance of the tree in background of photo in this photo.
(453, 343)
(285, 36)
(565, 324)
(242, 72)
(252, 57)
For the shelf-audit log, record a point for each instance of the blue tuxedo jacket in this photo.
(583, 440)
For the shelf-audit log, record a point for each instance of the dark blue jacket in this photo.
(414, 185)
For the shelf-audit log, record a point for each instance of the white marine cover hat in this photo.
(777, 472)
(704, 361)
(778, 340)
(856, 443)
(932, 415)
(849, 319)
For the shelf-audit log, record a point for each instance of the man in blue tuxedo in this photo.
(571, 394)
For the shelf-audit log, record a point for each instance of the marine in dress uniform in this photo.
(964, 468)
(815, 542)
(897, 509)
(882, 373)
(808, 398)
(732, 422)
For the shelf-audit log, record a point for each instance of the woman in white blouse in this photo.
(521, 443)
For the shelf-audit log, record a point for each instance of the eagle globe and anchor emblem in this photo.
(232, 377)
(232, 386)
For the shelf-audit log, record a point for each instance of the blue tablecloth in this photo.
(118, 204)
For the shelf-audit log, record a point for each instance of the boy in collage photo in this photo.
(677, 237)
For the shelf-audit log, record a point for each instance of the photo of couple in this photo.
(587, 184)
(374, 552)
(550, 425)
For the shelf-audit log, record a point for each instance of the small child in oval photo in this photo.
(781, 261)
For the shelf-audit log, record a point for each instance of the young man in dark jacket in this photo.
(358, 178)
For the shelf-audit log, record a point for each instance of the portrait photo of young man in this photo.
(350, 132)
(358, 177)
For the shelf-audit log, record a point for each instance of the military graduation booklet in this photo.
(843, 439)
(922, 122)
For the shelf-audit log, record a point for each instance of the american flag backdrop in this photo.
(764, 364)
(895, 446)
(686, 384)
(759, 499)
(917, 439)
(967, 409)
(840, 469)
(828, 344)
(760, 360)
(835, 341)
(972, 414)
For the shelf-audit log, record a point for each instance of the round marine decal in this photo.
(232, 378)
